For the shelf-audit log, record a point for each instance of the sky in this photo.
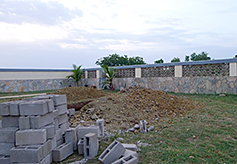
(58, 33)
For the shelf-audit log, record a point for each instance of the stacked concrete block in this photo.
(32, 128)
(62, 151)
(91, 145)
(82, 131)
(112, 153)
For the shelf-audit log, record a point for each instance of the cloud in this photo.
(38, 12)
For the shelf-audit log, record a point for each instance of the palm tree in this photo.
(110, 75)
(77, 73)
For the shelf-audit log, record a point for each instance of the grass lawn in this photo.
(206, 135)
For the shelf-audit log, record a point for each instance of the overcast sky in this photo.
(57, 34)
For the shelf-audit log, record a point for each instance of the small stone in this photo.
(119, 139)
(82, 121)
(90, 110)
(150, 128)
(94, 117)
(136, 126)
(221, 95)
(131, 129)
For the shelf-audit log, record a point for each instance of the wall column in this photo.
(178, 71)
(97, 74)
(86, 74)
(233, 69)
(138, 72)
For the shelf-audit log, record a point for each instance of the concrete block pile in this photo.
(33, 130)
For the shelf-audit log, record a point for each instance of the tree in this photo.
(159, 61)
(77, 73)
(202, 56)
(235, 56)
(110, 74)
(116, 60)
(186, 58)
(175, 60)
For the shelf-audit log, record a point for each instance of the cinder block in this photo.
(4, 109)
(71, 136)
(91, 145)
(56, 113)
(47, 159)
(7, 135)
(100, 124)
(132, 147)
(62, 109)
(24, 123)
(27, 154)
(143, 126)
(62, 118)
(129, 152)
(82, 131)
(50, 130)
(14, 108)
(5, 159)
(62, 152)
(112, 152)
(10, 121)
(31, 137)
(37, 122)
(71, 112)
(5, 148)
(53, 143)
(58, 134)
(59, 142)
(80, 146)
(0, 123)
(131, 159)
(58, 99)
(47, 148)
(64, 127)
(50, 105)
(33, 108)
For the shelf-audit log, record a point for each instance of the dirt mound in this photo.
(80, 93)
(125, 109)
(131, 89)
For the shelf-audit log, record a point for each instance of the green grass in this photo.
(207, 135)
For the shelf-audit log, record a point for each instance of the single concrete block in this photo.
(143, 126)
(71, 112)
(100, 124)
(50, 130)
(47, 159)
(5, 159)
(150, 128)
(131, 159)
(129, 152)
(80, 146)
(62, 109)
(0, 123)
(14, 108)
(24, 123)
(58, 134)
(31, 137)
(53, 143)
(62, 118)
(82, 131)
(112, 153)
(58, 99)
(33, 108)
(10, 121)
(71, 136)
(4, 109)
(63, 151)
(5, 148)
(132, 147)
(7, 135)
(91, 145)
(50, 105)
(47, 148)
(56, 113)
(59, 142)
(64, 127)
(37, 122)
(27, 154)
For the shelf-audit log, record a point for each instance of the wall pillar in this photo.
(86, 74)
(178, 71)
(97, 74)
(138, 72)
(233, 69)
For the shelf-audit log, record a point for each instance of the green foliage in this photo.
(235, 56)
(116, 60)
(186, 58)
(175, 60)
(159, 61)
(202, 56)
(110, 74)
(77, 73)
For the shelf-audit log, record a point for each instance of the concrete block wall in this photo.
(31, 129)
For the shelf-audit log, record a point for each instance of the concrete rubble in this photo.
(36, 130)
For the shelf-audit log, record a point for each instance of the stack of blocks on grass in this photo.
(36, 131)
